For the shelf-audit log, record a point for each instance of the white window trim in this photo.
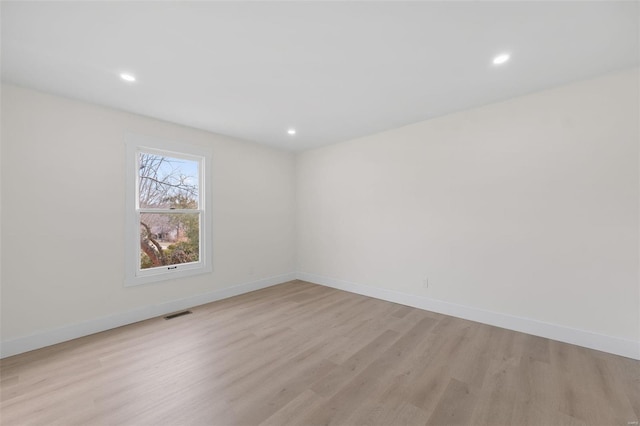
(134, 276)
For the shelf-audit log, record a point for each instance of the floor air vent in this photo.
(177, 314)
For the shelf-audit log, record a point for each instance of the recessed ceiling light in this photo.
(291, 131)
(501, 59)
(128, 77)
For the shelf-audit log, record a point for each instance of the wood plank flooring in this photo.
(303, 354)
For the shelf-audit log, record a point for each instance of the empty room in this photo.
(320, 213)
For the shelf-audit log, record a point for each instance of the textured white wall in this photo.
(527, 207)
(63, 213)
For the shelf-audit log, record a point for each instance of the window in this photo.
(168, 210)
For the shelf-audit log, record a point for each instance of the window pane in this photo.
(169, 239)
(166, 182)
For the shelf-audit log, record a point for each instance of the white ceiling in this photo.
(332, 70)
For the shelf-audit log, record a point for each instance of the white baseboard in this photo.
(73, 331)
(614, 345)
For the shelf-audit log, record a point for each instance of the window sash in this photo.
(175, 266)
(170, 211)
(177, 155)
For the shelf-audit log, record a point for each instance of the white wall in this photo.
(63, 219)
(522, 214)
(527, 209)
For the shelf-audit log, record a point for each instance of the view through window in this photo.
(169, 210)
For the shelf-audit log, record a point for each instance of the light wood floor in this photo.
(302, 354)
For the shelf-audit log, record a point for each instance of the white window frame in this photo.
(134, 275)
